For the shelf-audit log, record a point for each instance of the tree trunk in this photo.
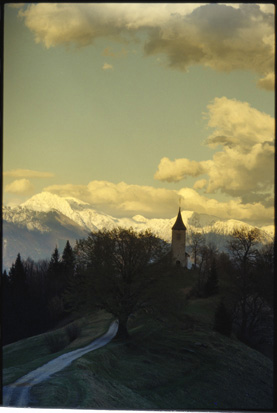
(122, 332)
(243, 326)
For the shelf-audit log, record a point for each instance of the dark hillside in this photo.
(173, 359)
(165, 367)
(167, 364)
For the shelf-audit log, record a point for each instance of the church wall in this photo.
(178, 247)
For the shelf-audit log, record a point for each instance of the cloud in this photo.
(267, 82)
(123, 200)
(233, 209)
(222, 37)
(80, 24)
(267, 7)
(16, 5)
(27, 173)
(200, 184)
(244, 167)
(20, 187)
(236, 123)
(107, 66)
(110, 53)
(175, 171)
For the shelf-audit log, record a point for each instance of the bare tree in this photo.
(206, 283)
(196, 242)
(250, 305)
(113, 272)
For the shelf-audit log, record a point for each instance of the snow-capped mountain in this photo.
(35, 234)
(35, 227)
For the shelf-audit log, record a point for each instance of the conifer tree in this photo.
(55, 259)
(18, 275)
(68, 260)
(5, 281)
(54, 274)
(19, 301)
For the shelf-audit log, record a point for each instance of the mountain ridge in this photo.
(48, 218)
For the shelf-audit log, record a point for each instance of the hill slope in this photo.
(166, 365)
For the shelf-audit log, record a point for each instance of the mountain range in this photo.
(46, 220)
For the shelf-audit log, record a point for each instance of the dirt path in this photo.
(17, 394)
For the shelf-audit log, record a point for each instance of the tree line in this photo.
(32, 294)
(123, 272)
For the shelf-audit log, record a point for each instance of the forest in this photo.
(125, 273)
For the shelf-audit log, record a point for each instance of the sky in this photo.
(138, 108)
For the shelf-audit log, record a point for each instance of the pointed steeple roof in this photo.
(179, 225)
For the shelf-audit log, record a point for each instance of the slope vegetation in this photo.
(167, 364)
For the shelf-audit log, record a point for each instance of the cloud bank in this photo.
(244, 167)
(123, 199)
(120, 199)
(221, 37)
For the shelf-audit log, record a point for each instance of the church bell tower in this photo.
(178, 244)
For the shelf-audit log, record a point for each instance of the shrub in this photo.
(211, 286)
(56, 341)
(222, 320)
(73, 331)
(56, 309)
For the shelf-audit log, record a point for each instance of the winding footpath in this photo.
(17, 394)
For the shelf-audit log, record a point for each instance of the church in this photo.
(178, 244)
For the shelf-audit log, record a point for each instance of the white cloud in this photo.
(175, 171)
(200, 184)
(107, 66)
(245, 164)
(27, 173)
(222, 37)
(236, 123)
(121, 199)
(81, 24)
(233, 209)
(127, 200)
(20, 187)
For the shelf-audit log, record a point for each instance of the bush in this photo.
(211, 286)
(223, 320)
(56, 341)
(73, 331)
(56, 309)
(198, 288)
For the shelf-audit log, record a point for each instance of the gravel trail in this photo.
(17, 393)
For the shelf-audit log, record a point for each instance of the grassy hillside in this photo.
(26, 355)
(167, 364)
